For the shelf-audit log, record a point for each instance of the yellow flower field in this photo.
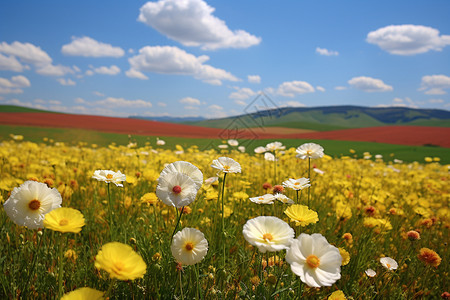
(363, 229)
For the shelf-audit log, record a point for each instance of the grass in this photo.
(333, 148)
(20, 109)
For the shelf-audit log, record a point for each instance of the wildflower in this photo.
(309, 150)
(275, 146)
(160, 142)
(211, 180)
(278, 189)
(64, 219)
(186, 168)
(83, 293)
(345, 256)
(348, 237)
(264, 199)
(429, 257)
(240, 195)
(241, 148)
(71, 254)
(370, 273)
(266, 185)
(233, 143)
(223, 146)
(301, 215)
(109, 176)
(259, 150)
(269, 156)
(313, 259)
(120, 261)
(226, 165)
(337, 295)
(297, 184)
(176, 189)
(268, 233)
(388, 263)
(29, 203)
(149, 198)
(284, 199)
(189, 246)
(413, 235)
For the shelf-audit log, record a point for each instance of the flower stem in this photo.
(178, 222)
(110, 288)
(61, 267)
(110, 213)
(223, 221)
(181, 285)
(197, 278)
(309, 177)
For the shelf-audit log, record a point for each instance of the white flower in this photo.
(283, 198)
(176, 189)
(29, 203)
(109, 176)
(297, 184)
(160, 142)
(186, 168)
(313, 259)
(241, 148)
(275, 146)
(211, 180)
(268, 233)
(371, 273)
(189, 246)
(226, 165)
(233, 143)
(389, 263)
(260, 149)
(269, 156)
(264, 199)
(223, 146)
(309, 150)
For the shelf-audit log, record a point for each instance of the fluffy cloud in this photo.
(293, 104)
(112, 70)
(435, 84)
(254, 78)
(408, 39)
(52, 70)
(340, 88)
(190, 101)
(10, 63)
(173, 60)
(326, 52)
(64, 81)
(215, 107)
(121, 102)
(320, 88)
(192, 23)
(292, 88)
(242, 94)
(13, 85)
(88, 47)
(369, 84)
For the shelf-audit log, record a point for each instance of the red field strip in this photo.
(401, 135)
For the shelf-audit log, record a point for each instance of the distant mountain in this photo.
(170, 119)
(333, 117)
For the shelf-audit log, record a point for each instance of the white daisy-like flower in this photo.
(297, 184)
(283, 198)
(176, 189)
(313, 259)
(275, 146)
(186, 168)
(268, 233)
(319, 171)
(389, 263)
(211, 180)
(370, 273)
(309, 150)
(260, 149)
(226, 165)
(30, 202)
(160, 142)
(109, 176)
(264, 199)
(233, 143)
(241, 148)
(224, 146)
(189, 246)
(269, 156)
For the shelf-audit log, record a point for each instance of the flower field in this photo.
(143, 222)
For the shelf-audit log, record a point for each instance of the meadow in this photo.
(369, 207)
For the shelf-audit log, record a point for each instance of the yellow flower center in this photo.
(109, 176)
(309, 152)
(118, 267)
(63, 222)
(189, 246)
(34, 204)
(267, 237)
(313, 261)
(388, 265)
(226, 168)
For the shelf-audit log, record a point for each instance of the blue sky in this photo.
(212, 58)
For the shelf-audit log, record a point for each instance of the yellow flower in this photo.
(64, 219)
(83, 293)
(120, 261)
(429, 257)
(345, 256)
(301, 215)
(337, 295)
(150, 198)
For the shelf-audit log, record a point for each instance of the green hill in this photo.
(21, 109)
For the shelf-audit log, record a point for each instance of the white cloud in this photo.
(190, 101)
(435, 84)
(408, 39)
(112, 70)
(369, 84)
(26, 52)
(215, 107)
(240, 102)
(192, 23)
(97, 93)
(254, 78)
(242, 93)
(10, 63)
(121, 102)
(320, 88)
(340, 88)
(190, 107)
(162, 104)
(52, 70)
(88, 47)
(80, 100)
(326, 52)
(399, 102)
(173, 60)
(293, 104)
(64, 81)
(13, 85)
(89, 73)
(436, 101)
(292, 88)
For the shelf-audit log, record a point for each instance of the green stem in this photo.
(110, 288)
(110, 214)
(309, 177)
(61, 266)
(178, 222)
(33, 264)
(197, 277)
(223, 221)
(181, 285)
